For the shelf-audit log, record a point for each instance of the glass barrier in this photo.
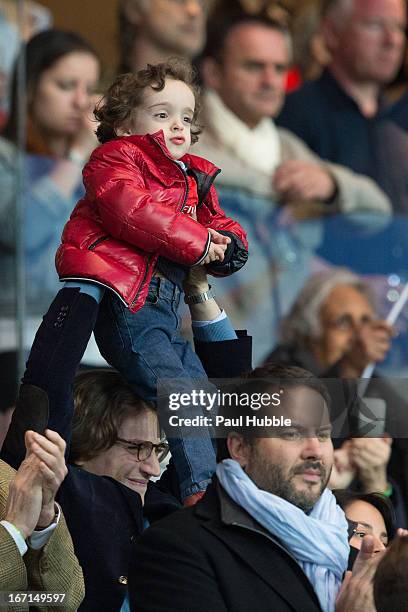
(12, 179)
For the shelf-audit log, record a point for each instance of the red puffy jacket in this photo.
(131, 215)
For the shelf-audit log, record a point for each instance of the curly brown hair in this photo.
(126, 94)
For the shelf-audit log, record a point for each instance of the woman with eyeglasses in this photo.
(334, 330)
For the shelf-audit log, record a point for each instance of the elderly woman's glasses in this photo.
(143, 450)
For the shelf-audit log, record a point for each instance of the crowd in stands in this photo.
(251, 156)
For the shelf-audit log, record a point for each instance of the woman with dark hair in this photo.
(367, 513)
(62, 72)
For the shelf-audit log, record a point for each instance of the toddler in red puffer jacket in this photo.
(149, 214)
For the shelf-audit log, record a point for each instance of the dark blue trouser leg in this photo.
(58, 347)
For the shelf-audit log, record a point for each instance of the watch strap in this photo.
(198, 298)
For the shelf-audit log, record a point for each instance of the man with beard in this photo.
(268, 534)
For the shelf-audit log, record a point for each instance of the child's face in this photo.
(170, 110)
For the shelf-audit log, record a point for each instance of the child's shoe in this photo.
(191, 500)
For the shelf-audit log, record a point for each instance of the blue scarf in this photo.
(318, 541)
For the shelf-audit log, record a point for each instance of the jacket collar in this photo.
(231, 523)
(191, 161)
(234, 515)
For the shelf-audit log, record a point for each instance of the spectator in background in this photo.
(333, 330)
(16, 27)
(391, 578)
(332, 327)
(343, 116)
(269, 177)
(36, 551)
(398, 91)
(310, 53)
(272, 9)
(150, 31)
(367, 513)
(399, 112)
(62, 72)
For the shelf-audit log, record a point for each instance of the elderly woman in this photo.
(62, 72)
(333, 330)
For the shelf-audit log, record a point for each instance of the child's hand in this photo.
(218, 238)
(215, 253)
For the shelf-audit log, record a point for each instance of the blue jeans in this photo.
(146, 347)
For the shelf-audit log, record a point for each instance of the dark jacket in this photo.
(223, 562)
(104, 518)
(132, 213)
(331, 123)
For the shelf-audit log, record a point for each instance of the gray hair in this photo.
(303, 321)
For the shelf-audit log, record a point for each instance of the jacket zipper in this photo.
(95, 244)
(181, 170)
(133, 302)
(179, 210)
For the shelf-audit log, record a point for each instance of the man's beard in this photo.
(272, 478)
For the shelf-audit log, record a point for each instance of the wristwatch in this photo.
(198, 298)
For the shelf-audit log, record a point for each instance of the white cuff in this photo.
(221, 317)
(38, 539)
(16, 535)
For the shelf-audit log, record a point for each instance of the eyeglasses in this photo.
(143, 450)
(346, 323)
